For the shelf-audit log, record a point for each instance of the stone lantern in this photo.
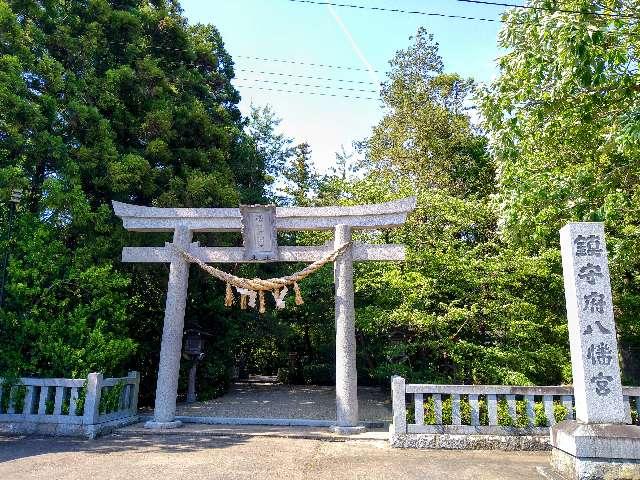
(193, 350)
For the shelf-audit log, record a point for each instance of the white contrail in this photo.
(354, 45)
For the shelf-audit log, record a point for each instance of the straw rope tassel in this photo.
(260, 285)
(243, 302)
(296, 288)
(228, 297)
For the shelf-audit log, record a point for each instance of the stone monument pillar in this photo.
(598, 444)
(346, 374)
(171, 346)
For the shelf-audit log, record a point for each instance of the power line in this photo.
(444, 15)
(363, 82)
(331, 87)
(307, 93)
(298, 62)
(266, 59)
(394, 10)
(550, 10)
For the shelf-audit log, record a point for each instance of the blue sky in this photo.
(361, 39)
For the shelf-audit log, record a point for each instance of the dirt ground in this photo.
(267, 399)
(191, 457)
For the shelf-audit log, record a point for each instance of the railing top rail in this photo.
(49, 382)
(489, 389)
(503, 389)
(112, 382)
(631, 391)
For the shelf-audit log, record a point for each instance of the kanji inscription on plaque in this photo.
(259, 232)
(594, 352)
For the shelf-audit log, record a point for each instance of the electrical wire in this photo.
(447, 15)
(307, 93)
(291, 75)
(305, 85)
(298, 62)
(551, 10)
(394, 10)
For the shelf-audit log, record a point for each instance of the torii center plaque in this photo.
(259, 235)
(260, 245)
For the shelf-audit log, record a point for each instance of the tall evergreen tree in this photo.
(106, 100)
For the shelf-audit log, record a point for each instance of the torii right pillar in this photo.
(346, 372)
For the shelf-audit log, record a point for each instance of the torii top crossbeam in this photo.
(152, 219)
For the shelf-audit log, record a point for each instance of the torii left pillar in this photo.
(171, 346)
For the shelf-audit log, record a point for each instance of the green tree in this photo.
(463, 307)
(301, 180)
(101, 101)
(273, 147)
(564, 122)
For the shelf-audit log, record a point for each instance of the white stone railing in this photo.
(487, 409)
(68, 406)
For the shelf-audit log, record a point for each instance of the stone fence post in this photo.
(92, 398)
(135, 390)
(398, 395)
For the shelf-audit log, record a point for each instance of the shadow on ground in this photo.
(12, 448)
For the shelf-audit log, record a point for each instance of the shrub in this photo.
(504, 419)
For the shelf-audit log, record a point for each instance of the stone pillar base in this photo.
(340, 430)
(162, 425)
(583, 451)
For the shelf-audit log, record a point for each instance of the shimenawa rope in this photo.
(249, 288)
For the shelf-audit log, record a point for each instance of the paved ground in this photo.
(199, 457)
(266, 399)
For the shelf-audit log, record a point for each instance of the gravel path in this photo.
(265, 399)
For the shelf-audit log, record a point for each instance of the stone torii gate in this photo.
(259, 225)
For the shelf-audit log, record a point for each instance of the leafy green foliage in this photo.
(107, 101)
(503, 416)
(562, 116)
(110, 398)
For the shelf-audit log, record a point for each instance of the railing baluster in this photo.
(42, 404)
(548, 409)
(530, 402)
(418, 400)
(126, 397)
(627, 409)
(28, 400)
(73, 401)
(492, 407)
(511, 406)
(12, 400)
(475, 409)
(567, 401)
(57, 404)
(455, 409)
(123, 396)
(437, 407)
